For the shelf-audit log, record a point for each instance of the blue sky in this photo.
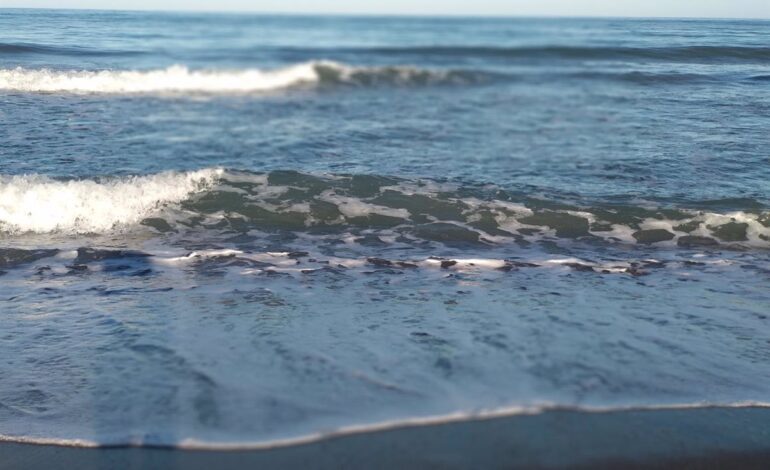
(678, 8)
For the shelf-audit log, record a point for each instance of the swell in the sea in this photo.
(680, 53)
(672, 53)
(14, 48)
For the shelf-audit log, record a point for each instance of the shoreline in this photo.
(695, 437)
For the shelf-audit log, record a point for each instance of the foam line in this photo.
(434, 420)
(178, 78)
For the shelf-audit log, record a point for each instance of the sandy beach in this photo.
(666, 438)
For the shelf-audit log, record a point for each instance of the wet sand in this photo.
(666, 438)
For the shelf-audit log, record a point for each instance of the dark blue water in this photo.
(235, 228)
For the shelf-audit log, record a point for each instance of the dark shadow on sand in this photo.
(665, 438)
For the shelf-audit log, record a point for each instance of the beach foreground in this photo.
(662, 438)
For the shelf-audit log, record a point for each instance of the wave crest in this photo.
(38, 204)
(369, 208)
(179, 78)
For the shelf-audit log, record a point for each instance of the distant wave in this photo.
(691, 53)
(673, 53)
(181, 79)
(412, 211)
(48, 49)
(650, 78)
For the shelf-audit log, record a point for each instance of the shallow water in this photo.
(236, 229)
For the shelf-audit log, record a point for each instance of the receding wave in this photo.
(137, 263)
(377, 208)
(373, 427)
(181, 79)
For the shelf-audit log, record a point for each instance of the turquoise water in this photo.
(231, 229)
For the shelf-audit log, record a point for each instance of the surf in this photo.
(181, 79)
(39, 204)
(362, 208)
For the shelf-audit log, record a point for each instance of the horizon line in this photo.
(391, 15)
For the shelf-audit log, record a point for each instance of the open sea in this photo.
(229, 231)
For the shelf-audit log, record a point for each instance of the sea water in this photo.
(232, 230)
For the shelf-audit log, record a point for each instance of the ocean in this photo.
(229, 231)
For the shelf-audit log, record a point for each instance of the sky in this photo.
(649, 8)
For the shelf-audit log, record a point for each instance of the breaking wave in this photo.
(179, 78)
(371, 208)
(40, 204)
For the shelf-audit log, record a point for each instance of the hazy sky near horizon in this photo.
(655, 8)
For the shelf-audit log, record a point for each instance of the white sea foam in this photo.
(179, 78)
(438, 420)
(39, 204)
(174, 78)
(354, 207)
